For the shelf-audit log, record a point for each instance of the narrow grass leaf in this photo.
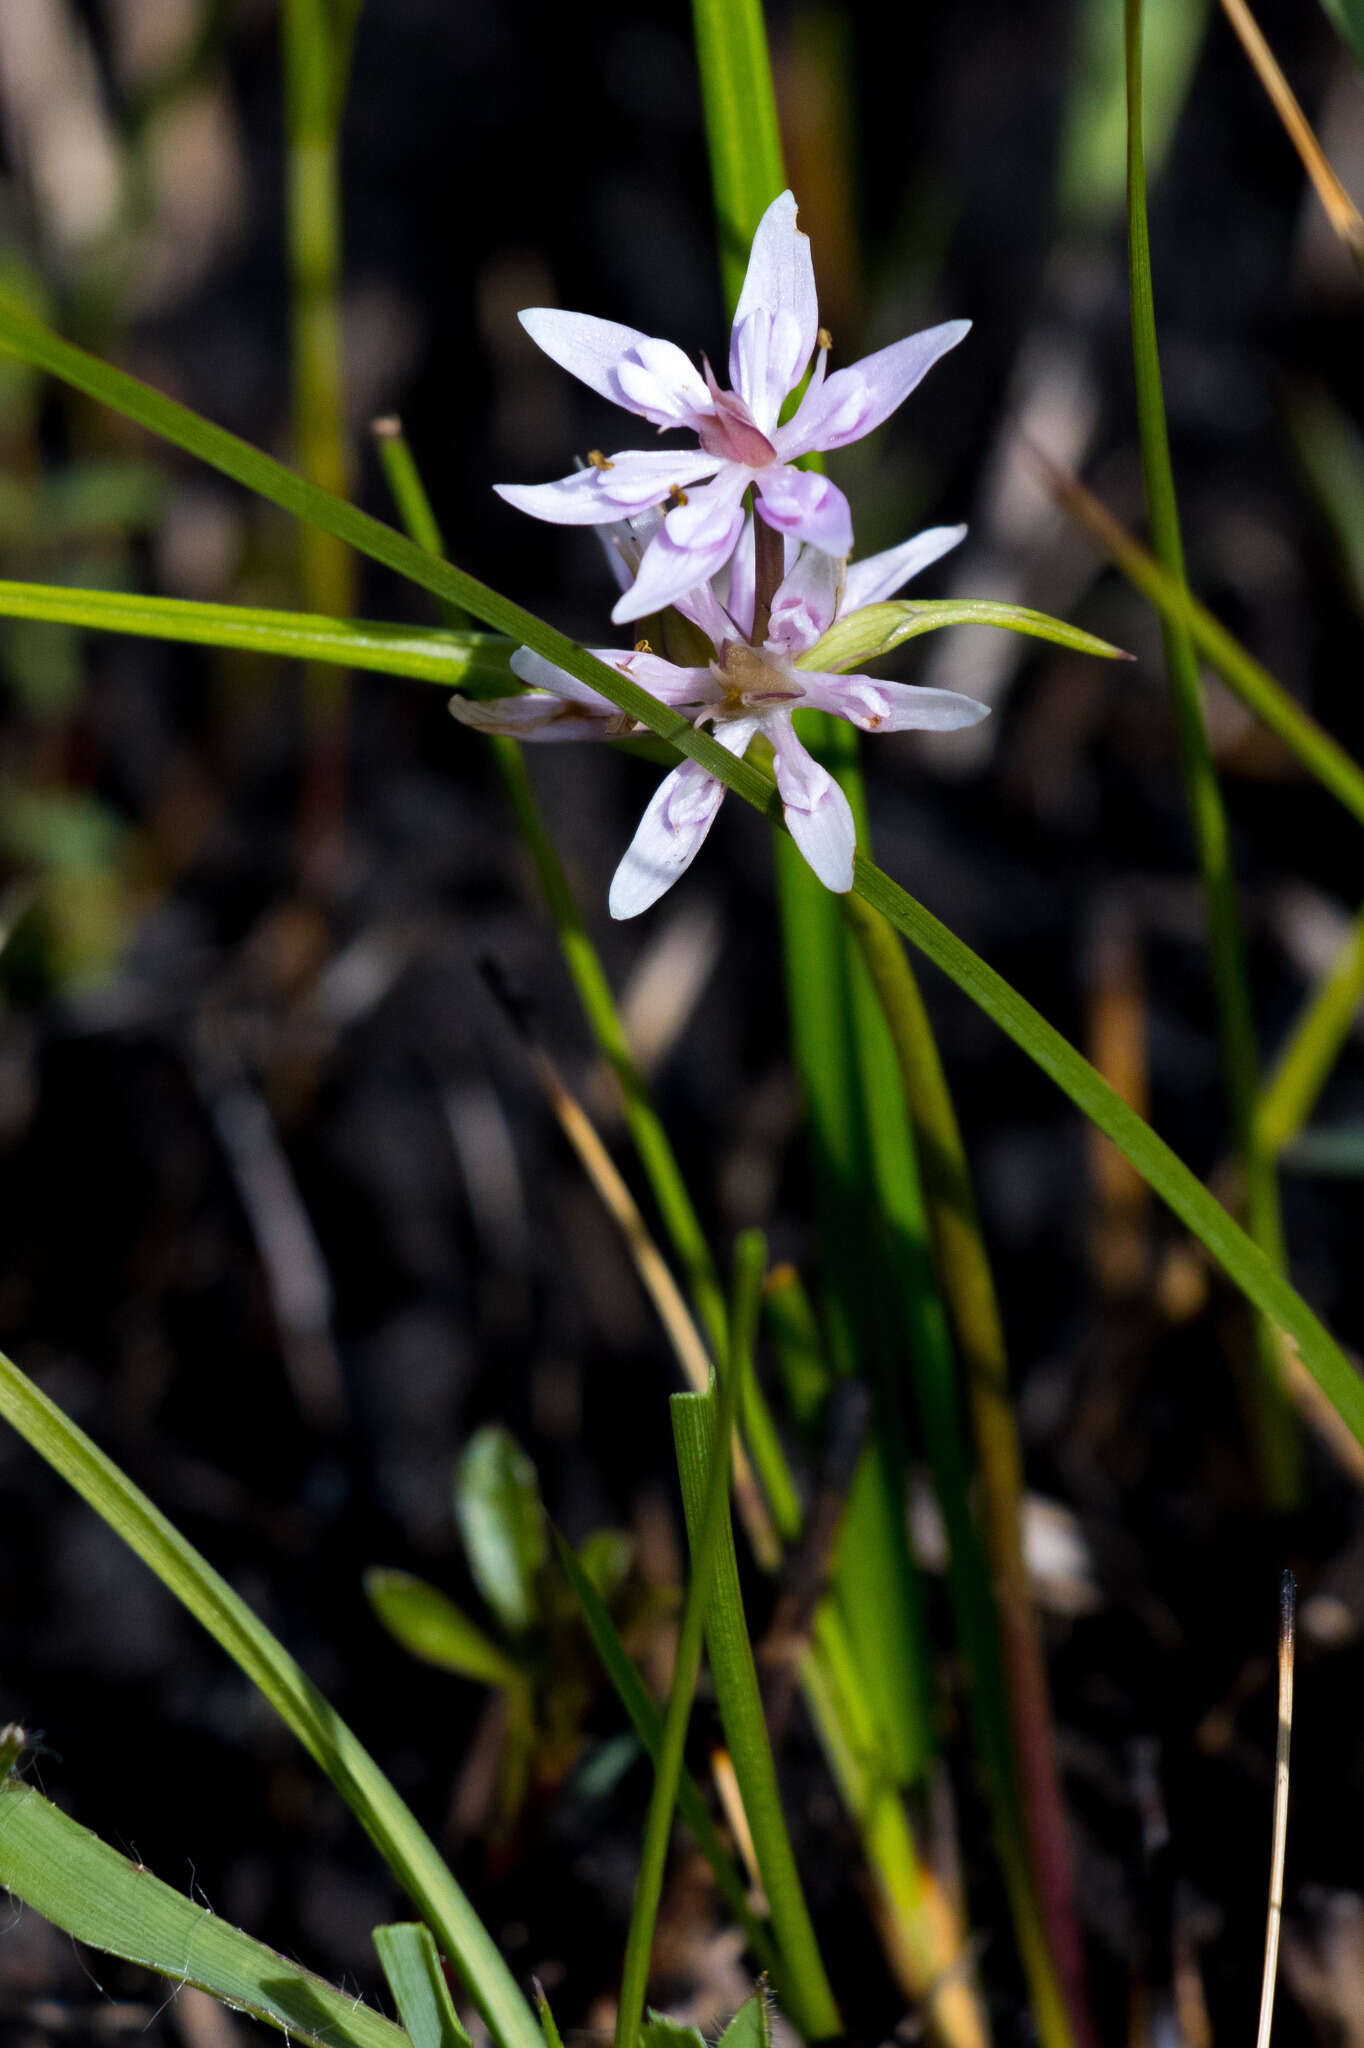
(87, 1889)
(1313, 1045)
(425, 654)
(409, 1853)
(411, 1963)
(430, 1626)
(548, 2024)
(647, 1723)
(809, 1998)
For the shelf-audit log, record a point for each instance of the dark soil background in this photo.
(283, 1216)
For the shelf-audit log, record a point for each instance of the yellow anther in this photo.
(676, 495)
(643, 647)
(598, 460)
(824, 339)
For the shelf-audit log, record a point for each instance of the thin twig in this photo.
(1288, 1591)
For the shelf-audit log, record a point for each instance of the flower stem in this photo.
(769, 564)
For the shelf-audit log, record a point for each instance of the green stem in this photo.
(1312, 1047)
(316, 53)
(713, 1522)
(968, 1285)
(1275, 1427)
(700, 1449)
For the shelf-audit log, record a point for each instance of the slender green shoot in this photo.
(713, 1522)
(647, 1723)
(548, 2024)
(1046, 1906)
(812, 2007)
(1274, 1422)
(476, 663)
(316, 49)
(1312, 1047)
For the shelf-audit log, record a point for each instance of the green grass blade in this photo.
(1244, 1264)
(316, 37)
(548, 2024)
(742, 136)
(647, 1723)
(411, 1963)
(1312, 1047)
(708, 1539)
(810, 2000)
(425, 654)
(409, 1853)
(999, 1616)
(1276, 1426)
(86, 1888)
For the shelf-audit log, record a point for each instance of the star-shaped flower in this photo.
(745, 690)
(742, 440)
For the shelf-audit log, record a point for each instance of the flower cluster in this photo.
(762, 596)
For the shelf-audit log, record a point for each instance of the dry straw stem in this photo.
(1341, 210)
(1288, 1592)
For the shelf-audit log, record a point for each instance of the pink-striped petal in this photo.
(851, 402)
(777, 317)
(874, 706)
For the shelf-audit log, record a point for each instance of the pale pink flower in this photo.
(742, 440)
(743, 691)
